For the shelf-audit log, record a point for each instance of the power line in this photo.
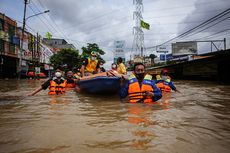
(182, 6)
(219, 32)
(40, 18)
(54, 28)
(208, 27)
(198, 27)
(53, 21)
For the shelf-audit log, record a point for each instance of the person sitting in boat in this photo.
(140, 87)
(114, 67)
(56, 85)
(90, 65)
(164, 83)
(70, 81)
(120, 66)
(77, 75)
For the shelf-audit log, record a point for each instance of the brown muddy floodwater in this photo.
(197, 120)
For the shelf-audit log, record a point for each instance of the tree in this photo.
(93, 47)
(67, 59)
(152, 56)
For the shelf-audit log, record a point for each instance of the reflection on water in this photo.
(195, 120)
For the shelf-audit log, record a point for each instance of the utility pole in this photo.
(138, 41)
(23, 30)
(21, 48)
(38, 41)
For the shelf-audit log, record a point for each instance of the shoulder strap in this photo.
(148, 77)
(132, 76)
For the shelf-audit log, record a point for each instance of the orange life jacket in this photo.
(163, 84)
(136, 93)
(91, 66)
(56, 89)
(70, 85)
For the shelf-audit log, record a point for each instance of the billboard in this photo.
(184, 48)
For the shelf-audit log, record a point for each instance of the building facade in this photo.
(58, 44)
(9, 42)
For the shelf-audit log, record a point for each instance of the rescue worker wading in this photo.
(56, 85)
(140, 87)
(70, 80)
(164, 83)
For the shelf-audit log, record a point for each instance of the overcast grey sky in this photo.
(104, 21)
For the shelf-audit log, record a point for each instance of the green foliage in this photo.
(152, 56)
(67, 59)
(93, 47)
(70, 59)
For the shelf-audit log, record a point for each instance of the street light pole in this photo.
(23, 30)
(38, 14)
(21, 48)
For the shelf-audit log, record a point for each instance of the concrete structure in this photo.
(213, 66)
(58, 44)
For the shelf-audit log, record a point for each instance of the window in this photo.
(12, 48)
(1, 24)
(11, 32)
(1, 45)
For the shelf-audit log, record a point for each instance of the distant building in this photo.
(58, 44)
(32, 52)
(8, 44)
(147, 61)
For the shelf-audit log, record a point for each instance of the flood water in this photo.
(197, 120)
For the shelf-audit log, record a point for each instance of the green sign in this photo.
(115, 60)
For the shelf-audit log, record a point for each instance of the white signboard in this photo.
(119, 51)
(162, 49)
(119, 44)
(46, 53)
(37, 70)
(184, 48)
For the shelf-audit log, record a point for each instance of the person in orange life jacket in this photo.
(70, 81)
(164, 83)
(140, 87)
(90, 65)
(56, 85)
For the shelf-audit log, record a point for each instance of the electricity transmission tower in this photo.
(138, 41)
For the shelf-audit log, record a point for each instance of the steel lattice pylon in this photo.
(138, 41)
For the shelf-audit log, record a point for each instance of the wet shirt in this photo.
(85, 63)
(46, 84)
(157, 93)
(121, 68)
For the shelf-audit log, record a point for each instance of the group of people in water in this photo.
(138, 87)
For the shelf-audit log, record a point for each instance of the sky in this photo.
(105, 21)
